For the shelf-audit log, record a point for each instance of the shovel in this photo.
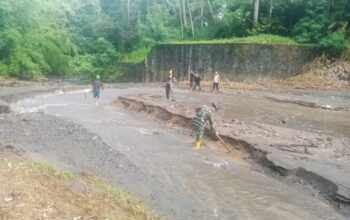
(222, 141)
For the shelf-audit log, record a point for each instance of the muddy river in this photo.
(172, 177)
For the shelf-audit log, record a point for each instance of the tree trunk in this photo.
(189, 63)
(139, 16)
(148, 7)
(184, 13)
(256, 12)
(128, 12)
(180, 15)
(271, 9)
(190, 12)
(211, 10)
(202, 22)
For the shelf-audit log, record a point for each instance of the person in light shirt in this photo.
(216, 81)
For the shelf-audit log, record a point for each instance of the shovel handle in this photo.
(227, 148)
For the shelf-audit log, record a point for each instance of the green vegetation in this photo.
(82, 38)
(140, 54)
(260, 39)
(137, 55)
(47, 169)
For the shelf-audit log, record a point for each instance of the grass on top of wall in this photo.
(137, 55)
(140, 54)
(259, 39)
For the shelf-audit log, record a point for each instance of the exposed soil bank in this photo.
(302, 157)
(36, 190)
(64, 144)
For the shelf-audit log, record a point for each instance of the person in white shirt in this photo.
(216, 81)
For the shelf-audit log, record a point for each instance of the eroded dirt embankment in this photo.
(333, 190)
(35, 190)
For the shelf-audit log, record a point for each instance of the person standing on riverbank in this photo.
(197, 82)
(216, 81)
(96, 89)
(169, 87)
(192, 77)
(204, 115)
(170, 73)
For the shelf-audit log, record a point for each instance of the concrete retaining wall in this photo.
(132, 72)
(237, 62)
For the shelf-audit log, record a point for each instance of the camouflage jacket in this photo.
(204, 115)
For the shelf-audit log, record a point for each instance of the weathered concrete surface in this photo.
(132, 72)
(4, 107)
(307, 144)
(237, 62)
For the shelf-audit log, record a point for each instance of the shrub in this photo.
(22, 66)
(334, 43)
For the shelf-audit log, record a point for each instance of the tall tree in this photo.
(180, 16)
(271, 9)
(184, 16)
(211, 9)
(191, 20)
(256, 12)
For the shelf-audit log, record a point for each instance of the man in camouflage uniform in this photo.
(204, 115)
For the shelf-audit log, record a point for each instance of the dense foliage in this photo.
(88, 37)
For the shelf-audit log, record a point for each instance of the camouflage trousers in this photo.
(199, 130)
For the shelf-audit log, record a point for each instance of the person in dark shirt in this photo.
(96, 89)
(197, 82)
(169, 87)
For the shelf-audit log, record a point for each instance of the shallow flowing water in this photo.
(176, 180)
